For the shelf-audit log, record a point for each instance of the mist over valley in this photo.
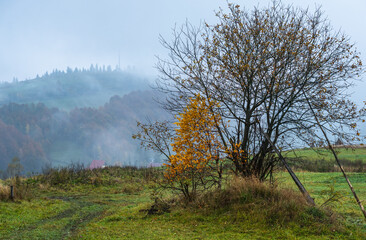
(74, 117)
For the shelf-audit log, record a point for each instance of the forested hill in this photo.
(75, 116)
(72, 88)
(42, 136)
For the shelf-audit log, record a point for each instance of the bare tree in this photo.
(156, 136)
(257, 65)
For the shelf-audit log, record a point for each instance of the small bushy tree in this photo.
(196, 161)
(192, 148)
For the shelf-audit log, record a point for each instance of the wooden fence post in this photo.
(12, 193)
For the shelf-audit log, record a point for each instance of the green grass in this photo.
(26, 220)
(356, 154)
(318, 184)
(114, 209)
(322, 160)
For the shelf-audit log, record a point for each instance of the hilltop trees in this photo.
(260, 67)
(73, 88)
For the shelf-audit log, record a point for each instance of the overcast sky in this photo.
(41, 35)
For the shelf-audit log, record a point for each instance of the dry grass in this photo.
(77, 174)
(247, 190)
(21, 189)
(263, 202)
(4, 192)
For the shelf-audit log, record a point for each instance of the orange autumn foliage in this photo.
(196, 143)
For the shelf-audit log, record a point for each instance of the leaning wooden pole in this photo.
(336, 157)
(301, 187)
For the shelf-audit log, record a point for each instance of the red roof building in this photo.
(153, 164)
(97, 164)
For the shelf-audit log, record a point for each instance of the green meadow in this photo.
(114, 203)
(317, 154)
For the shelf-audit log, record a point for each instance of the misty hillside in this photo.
(72, 88)
(75, 116)
(42, 136)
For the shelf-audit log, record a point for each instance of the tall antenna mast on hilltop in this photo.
(119, 60)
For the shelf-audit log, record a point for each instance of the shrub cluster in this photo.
(131, 180)
(262, 202)
(77, 174)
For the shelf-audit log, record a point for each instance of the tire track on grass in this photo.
(80, 213)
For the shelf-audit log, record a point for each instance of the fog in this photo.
(40, 36)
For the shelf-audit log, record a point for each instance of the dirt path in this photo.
(65, 224)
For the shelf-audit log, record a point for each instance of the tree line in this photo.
(72, 88)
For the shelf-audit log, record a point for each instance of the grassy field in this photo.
(349, 154)
(322, 160)
(322, 186)
(111, 205)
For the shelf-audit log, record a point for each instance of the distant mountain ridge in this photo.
(72, 88)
